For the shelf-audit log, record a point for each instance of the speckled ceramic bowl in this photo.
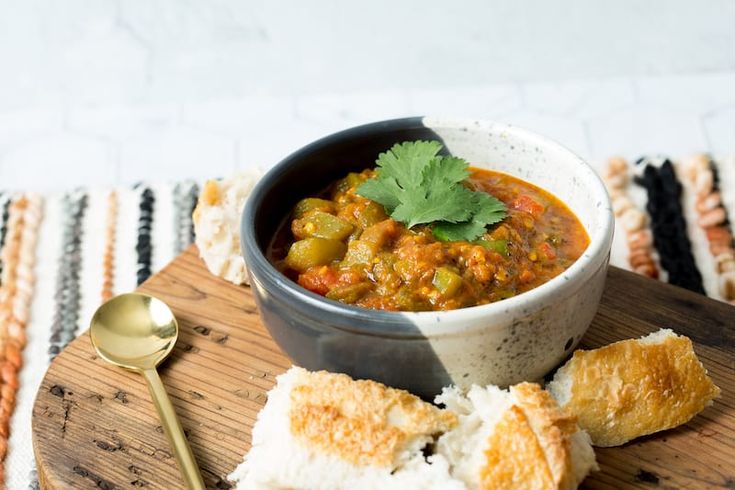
(520, 338)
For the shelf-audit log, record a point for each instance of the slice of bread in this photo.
(634, 387)
(327, 431)
(514, 439)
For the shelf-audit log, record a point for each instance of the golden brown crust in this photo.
(210, 196)
(362, 422)
(632, 388)
(553, 428)
(211, 193)
(530, 446)
(514, 458)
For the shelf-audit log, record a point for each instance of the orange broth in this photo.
(370, 260)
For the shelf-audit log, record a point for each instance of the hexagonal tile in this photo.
(567, 131)
(104, 68)
(59, 161)
(122, 122)
(633, 132)
(580, 99)
(17, 127)
(175, 153)
(490, 102)
(238, 116)
(699, 93)
(339, 111)
(719, 126)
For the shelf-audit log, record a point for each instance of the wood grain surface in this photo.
(94, 425)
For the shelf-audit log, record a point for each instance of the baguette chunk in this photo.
(514, 439)
(634, 387)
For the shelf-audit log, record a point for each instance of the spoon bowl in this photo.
(135, 331)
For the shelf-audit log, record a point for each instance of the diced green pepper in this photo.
(314, 251)
(312, 203)
(404, 269)
(352, 180)
(373, 213)
(360, 252)
(350, 293)
(500, 246)
(406, 300)
(446, 281)
(324, 225)
(355, 235)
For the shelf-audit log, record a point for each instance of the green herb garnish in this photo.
(416, 186)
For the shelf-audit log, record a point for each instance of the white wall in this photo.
(114, 91)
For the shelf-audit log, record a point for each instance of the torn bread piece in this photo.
(217, 225)
(514, 439)
(634, 387)
(326, 431)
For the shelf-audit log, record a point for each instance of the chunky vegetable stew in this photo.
(345, 247)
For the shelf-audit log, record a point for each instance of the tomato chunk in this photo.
(526, 276)
(547, 250)
(528, 204)
(319, 279)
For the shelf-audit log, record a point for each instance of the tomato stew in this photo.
(346, 248)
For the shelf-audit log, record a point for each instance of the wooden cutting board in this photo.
(94, 425)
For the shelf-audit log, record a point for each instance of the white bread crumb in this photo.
(479, 413)
(217, 225)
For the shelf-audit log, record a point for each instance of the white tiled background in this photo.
(98, 92)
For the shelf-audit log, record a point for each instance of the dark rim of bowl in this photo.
(379, 322)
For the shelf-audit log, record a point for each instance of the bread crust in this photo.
(362, 422)
(636, 387)
(514, 458)
(530, 445)
(552, 426)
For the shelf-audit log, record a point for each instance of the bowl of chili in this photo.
(350, 280)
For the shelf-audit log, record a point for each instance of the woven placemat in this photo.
(61, 256)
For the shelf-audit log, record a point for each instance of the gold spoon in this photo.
(137, 332)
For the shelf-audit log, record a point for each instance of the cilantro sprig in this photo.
(417, 186)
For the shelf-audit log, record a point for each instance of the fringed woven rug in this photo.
(62, 255)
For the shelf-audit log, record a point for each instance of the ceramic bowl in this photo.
(516, 339)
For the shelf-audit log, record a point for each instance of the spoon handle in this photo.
(174, 432)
